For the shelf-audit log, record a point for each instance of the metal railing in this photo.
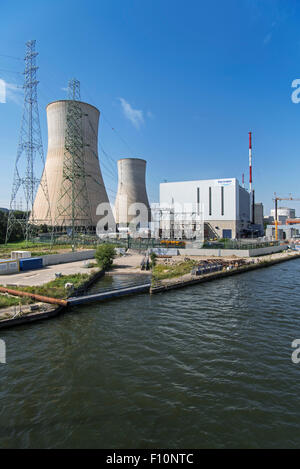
(238, 244)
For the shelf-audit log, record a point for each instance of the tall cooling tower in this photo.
(95, 189)
(131, 190)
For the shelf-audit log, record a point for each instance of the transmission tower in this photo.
(73, 203)
(30, 146)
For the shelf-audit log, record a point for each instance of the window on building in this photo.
(222, 200)
(210, 207)
(198, 201)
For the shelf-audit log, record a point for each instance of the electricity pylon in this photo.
(73, 206)
(30, 146)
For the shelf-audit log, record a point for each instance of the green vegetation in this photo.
(37, 249)
(153, 258)
(6, 301)
(17, 233)
(56, 288)
(161, 271)
(105, 254)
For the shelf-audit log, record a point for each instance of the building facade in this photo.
(283, 214)
(259, 214)
(222, 204)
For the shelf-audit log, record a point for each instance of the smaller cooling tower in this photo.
(131, 190)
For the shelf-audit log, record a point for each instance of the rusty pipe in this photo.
(43, 299)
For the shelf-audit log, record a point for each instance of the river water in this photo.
(204, 366)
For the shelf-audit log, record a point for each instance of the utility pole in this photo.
(30, 146)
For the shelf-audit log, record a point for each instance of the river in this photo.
(204, 366)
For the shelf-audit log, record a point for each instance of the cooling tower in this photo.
(95, 190)
(131, 190)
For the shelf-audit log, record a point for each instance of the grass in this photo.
(54, 289)
(161, 271)
(37, 249)
(7, 301)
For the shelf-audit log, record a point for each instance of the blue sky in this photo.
(180, 82)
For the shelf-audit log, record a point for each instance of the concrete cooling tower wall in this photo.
(96, 192)
(131, 190)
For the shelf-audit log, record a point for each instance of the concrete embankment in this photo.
(262, 251)
(58, 305)
(81, 297)
(188, 280)
(145, 288)
(31, 317)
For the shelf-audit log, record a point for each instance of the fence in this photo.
(146, 243)
(240, 244)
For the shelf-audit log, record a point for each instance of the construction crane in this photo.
(276, 210)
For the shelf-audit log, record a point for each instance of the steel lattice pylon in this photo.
(30, 146)
(73, 203)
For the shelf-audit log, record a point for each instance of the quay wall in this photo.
(178, 283)
(233, 252)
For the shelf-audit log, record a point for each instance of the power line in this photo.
(10, 57)
(110, 124)
(10, 71)
(109, 159)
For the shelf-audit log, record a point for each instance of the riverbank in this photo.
(27, 310)
(252, 264)
(129, 265)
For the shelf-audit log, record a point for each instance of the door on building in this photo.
(227, 234)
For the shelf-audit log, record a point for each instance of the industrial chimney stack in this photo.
(252, 196)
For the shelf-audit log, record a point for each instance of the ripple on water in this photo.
(205, 366)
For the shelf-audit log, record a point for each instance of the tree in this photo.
(17, 233)
(153, 258)
(105, 254)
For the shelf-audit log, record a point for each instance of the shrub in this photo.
(153, 258)
(105, 254)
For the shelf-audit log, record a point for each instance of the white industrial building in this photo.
(283, 214)
(285, 232)
(221, 204)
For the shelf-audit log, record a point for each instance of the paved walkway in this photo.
(45, 275)
(128, 264)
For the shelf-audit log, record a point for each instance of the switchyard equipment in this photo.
(29, 148)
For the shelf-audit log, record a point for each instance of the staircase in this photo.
(210, 232)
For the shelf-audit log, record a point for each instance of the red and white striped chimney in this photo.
(250, 162)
